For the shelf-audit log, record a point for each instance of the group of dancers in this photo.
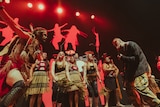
(25, 70)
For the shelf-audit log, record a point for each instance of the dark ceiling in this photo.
(137, 20)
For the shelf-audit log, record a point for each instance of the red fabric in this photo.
(4, 88)
(158, 66)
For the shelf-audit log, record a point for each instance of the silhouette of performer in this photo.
(71, 37)
(7, 32)
(97, 43)
(57, 35)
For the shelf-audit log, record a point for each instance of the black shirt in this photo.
(134, 60)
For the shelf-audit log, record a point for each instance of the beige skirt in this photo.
(39, 84)
(61, 75)
(76, 79)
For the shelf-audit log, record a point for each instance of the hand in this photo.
(84, 82)
(27, 83)
(100, 80)
(55, 79)
(69, 80)
(114, 75)
(119, 56)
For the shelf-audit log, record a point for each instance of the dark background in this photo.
(137, 20)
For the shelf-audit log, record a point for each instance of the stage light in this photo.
(92, 16)
(30, 5)
(7, 1)
(77, 13)
(59, 10)
(41, 6)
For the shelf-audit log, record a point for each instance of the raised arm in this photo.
(2, 22)
(63, 25)
(10, 22)
(83, 34)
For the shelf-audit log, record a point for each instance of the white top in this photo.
(80, 65)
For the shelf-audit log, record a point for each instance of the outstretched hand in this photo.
(119, 56)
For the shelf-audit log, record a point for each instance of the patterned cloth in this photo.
(139, 90)
(39, 84)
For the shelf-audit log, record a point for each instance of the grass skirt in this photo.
(39, 83)
(76, 80)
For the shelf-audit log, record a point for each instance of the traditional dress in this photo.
(58, 91)
(76, 78)
(92, 80)
(40, 82)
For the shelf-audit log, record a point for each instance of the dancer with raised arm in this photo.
(71, 37)
(39, 77)
(18, 56)
(57, 35)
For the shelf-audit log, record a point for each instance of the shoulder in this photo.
(85, 63)
(52, 62)
(132, 43)
(65, 62)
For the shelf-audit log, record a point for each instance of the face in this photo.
(44, 36)
(61, 55)
(117, 44)
(72, 59)
(44, 54)
(41, 34)
(76, 56)
(90, 57)
(107, 59)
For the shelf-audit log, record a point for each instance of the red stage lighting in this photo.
(77, 13)
(59, 10)
(92, 16)
(30, 5)
(41, 6)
